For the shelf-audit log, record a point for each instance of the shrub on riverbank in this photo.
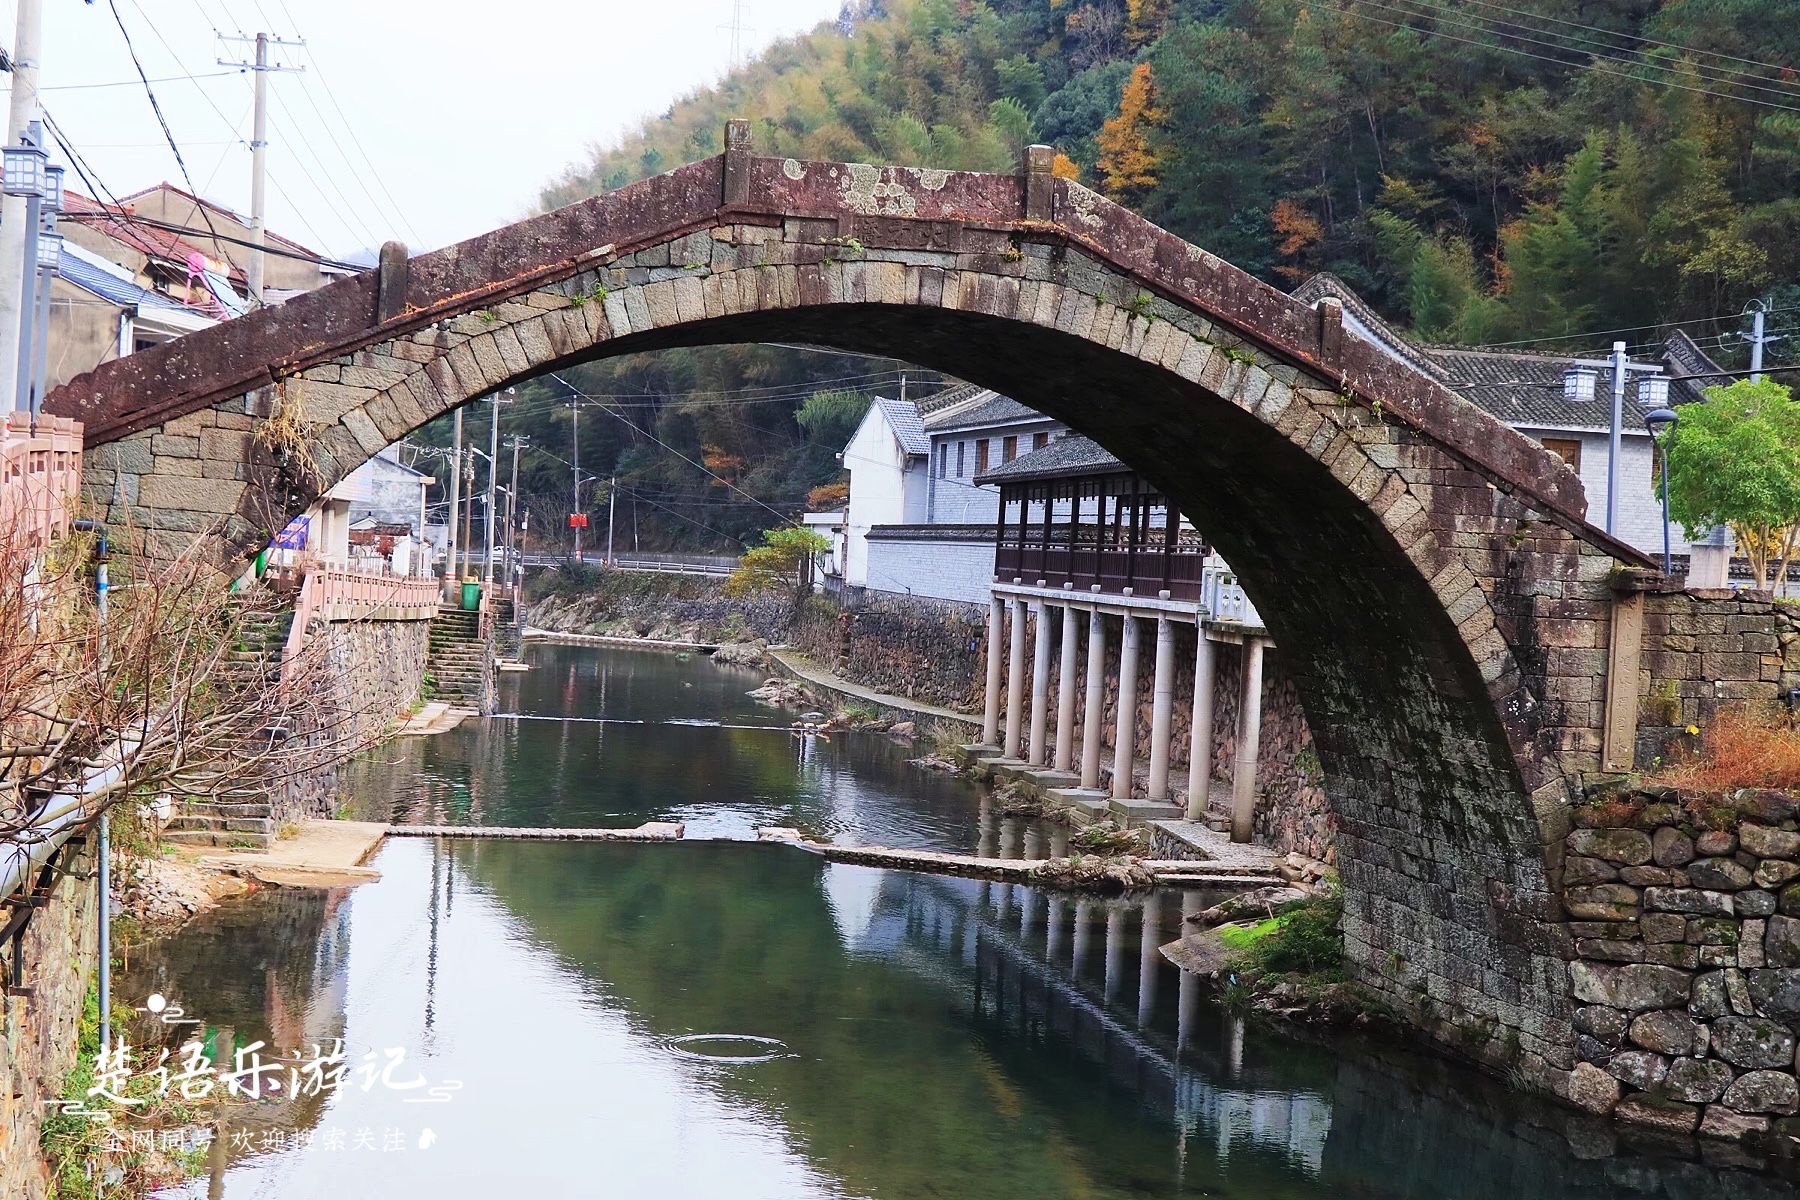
(1303, 942)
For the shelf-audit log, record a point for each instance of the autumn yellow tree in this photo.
(1144, 20)
(1299, 230)
(1127, 163)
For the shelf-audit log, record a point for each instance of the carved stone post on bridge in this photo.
(1065, 690)
(1162, 709)
(1201, 740)
(1040, 685)
(1094, 711)
(1243, 776)
(990, 713)
(1125, 728)
(1015, 682)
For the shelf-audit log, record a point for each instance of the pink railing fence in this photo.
(40, 477)
(340, 594)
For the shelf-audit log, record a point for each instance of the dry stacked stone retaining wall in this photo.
(913, 646)
(1684, 916)
(1704, 649)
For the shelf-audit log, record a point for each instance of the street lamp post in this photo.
(1659, 421)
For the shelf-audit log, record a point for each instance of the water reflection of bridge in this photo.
(1043, 964)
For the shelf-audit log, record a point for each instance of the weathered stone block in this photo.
(1663, 927)
(1634, 988)
(1667, 1116)
(1671, 847)
(1765, 842)
(1688, 900)
(1715, 842)
(1726, 1123)
(1638, 1068)
(1667, 1031)
(1781, 942)
(1602, 902)
(1774, 872)
(1697, 1080)
(1579, 869)
(1763, 1092)
(1597, 1020)
(1772, 992)
(1592, 1089)
(1754, 1042)
(1754, 903)
(1718, 874)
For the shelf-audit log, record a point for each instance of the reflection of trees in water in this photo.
(270, 967)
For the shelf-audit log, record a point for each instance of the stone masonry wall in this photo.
(376, 670)
(912, 646)
(61, 947)
(1684, 911)
(1707, 649)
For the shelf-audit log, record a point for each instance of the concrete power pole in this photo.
(612, 504)
(451, 574)
(1758, 338)
(21, 111)
(514, 569)
(575, 493)
(259, 147)
(487, 521)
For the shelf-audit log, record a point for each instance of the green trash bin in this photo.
(471, 594)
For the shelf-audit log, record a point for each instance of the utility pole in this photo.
(468, 555)
(1758, 339)
(259, 147)
(1612, 452)
(575, 499)
(14, 265)
(451, 574)
(612, 503)
(512, 502)
(487, 523)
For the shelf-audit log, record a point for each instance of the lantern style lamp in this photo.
(22, 170)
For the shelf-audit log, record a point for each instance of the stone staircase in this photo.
(458, 661)
(243, 816)
(508, 630)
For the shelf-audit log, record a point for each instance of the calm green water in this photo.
(927, 1037)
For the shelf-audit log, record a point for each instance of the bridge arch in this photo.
(1428, 573)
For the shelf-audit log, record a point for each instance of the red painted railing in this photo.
(40, 477)
(340, 594)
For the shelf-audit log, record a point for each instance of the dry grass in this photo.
(1750, 747)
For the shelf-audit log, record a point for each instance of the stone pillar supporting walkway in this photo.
(1201, 739)
(1015, 682)
(1065, 689)
(1095, 710)
(1243, 777)
(1040, 684)
(1162, 709)
(1125, 731)
(990, 713)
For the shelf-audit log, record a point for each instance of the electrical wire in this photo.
(298, 139)
(1628, 36)
(156, 107)
(1441, 12)
(349, 127)
(1340, 7)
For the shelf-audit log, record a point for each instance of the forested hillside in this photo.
(1482, 172)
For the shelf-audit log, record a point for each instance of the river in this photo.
(890, 1035)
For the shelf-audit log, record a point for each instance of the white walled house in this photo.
(917, 523)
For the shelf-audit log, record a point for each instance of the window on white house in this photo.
(960, 447)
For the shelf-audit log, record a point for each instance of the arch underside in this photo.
(1384, 563)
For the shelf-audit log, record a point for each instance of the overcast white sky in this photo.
(466, 108)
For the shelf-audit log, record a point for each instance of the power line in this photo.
(619, 416)
(351, 130)
(1440, 11)
(1629, 36)
(156, 107)
(298, 138)
(1339, 6)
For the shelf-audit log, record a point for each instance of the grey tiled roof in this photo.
(1068, 455)
(950, 397)
(1522, 387)
(991, 411)
(903, 418)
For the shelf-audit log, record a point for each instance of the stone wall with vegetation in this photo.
(924, 649)
(1704, 650)
(38, 1050)
(1684, 918)
(377, 670)
(683, 608)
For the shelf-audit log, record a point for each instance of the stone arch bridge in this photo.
(1429, 574)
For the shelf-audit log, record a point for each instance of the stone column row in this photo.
(1035, 746)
